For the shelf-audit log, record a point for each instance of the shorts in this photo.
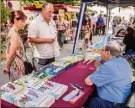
(86, 41)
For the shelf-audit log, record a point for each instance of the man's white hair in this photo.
(45, 4)
(116, 48)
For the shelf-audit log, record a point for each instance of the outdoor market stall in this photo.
(73, 72)
(50, 87)
(52, 84)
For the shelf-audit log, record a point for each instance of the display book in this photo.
(95, 50)
(27, 80)
(75, 95)
(41, 94)
(67, 62)
(18, 85)
(12, 88)
(29, 98)
(57, 67)
(51, 88)
(11, 91)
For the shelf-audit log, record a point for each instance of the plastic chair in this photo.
(125, 105)
(132, 94)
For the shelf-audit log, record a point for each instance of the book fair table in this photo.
(75, 75)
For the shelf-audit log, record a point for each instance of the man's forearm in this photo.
(39, 40)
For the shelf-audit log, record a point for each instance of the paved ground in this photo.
(66, 51)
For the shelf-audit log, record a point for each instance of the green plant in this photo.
(5, 13)
(69, 2)
(3, 45)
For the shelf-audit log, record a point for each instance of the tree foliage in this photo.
(69, 2)
(5, 13)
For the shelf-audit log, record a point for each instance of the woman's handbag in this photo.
(27, 65)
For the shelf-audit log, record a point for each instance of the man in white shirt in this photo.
(93, 20)
(42, 34)
(104, 26)
(115, 22)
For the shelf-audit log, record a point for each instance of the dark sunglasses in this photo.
(20, 18)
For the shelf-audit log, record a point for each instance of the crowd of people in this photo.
(66, 28)
(92, 25)
(112, 78)
(121, 20)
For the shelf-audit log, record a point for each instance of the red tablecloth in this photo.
(75, 74)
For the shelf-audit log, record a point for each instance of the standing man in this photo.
(115, 22)
(61, 25)
(42, 34)
(100, 23)
(104, 26)
(93, 20)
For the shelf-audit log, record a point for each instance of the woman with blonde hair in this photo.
(74, 22)
(87, 31)
(15, 49)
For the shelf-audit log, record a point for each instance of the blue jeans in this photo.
(96, 102)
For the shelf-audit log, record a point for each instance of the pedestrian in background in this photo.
(74, 22)
(104, 25)
(100, 23)
(61, 26)
(115, 22)
(67, 23)
(93, 20)
(87, 31)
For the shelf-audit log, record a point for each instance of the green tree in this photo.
(5, 13)
(69, 2)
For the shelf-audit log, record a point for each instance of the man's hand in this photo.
(97, 64)
(50, 40)
(88, 81)
(91, 59)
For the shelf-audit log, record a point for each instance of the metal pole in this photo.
(134, 8)
(82, 9)
(20, 4)
(107, 19)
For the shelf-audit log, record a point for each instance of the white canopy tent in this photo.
(109, 5)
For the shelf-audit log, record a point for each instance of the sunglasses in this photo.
(21, 18)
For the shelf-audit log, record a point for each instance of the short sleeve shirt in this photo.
(40, 29)
(93, 19)
(113, 80)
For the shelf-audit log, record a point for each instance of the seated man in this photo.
(112, 79)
